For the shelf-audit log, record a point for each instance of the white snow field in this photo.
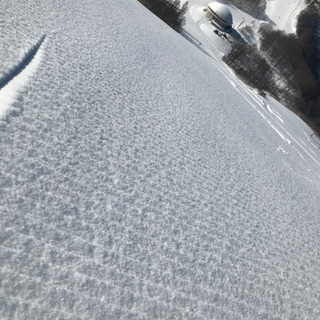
(138, 182)
(284, 13)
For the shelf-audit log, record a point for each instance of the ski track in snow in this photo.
(274, 120)
(272, 112)
(276, 126)
(17, 78)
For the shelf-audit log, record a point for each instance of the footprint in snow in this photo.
(280, 148)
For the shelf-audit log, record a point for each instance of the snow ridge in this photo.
(13, 82)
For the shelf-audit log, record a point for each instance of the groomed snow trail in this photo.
(137, 183)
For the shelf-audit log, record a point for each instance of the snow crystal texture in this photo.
(136, 183)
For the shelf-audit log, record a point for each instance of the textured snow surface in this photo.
(138, 183)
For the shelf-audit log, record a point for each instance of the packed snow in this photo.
(140, 179)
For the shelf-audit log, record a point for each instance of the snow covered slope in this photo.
(284, 13)
(199, 28)
(201, 33)
(137, 182)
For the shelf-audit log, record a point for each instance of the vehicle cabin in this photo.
(219, 15)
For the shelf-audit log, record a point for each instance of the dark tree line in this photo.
(245, 60)
(288, 55)
(255, 70)
(285, 65)
(308, 31)
(171, 12)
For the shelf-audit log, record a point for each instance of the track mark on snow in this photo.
(15, 81)
(273, 113)
(280, 148)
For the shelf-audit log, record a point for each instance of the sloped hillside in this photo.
(139, 180)
(278, 55)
